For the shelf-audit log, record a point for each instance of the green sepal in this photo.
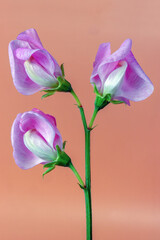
(48, 94)
(51, 164)
(62, 69)
(62, 159)
(48, 170)
(117, 102)
(108, 97)
(101, 102)
(64, 145)
(64, 85)
(96, 90)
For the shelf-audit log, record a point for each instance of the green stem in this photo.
(87, 190)
(87, 187)
(77, 175)
(80, 108)
(76, 98)
(93, 117)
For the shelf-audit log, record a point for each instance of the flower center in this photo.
(35, 142)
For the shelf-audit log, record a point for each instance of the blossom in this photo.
(35, 138)
(119, 75)
(32, 67)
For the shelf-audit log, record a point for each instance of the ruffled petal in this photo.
(33, 120)
(111, 62)
(50, 118)
(103, 52)
(121, 53)
(136, 85)
(34, 141)
(21, 80)
(107, 62)
(24, 158)
(31, 37)
(58, 138)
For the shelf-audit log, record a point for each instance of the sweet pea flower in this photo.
(119, 74)
(35, 138)
(32, 67)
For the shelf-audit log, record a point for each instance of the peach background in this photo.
(125, 144)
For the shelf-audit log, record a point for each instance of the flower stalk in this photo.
(87, 187)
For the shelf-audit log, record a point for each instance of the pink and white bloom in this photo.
(119, 74)
(34, 139)
(32, 67)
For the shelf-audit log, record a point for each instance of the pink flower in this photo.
(32, 67)
(34, 139)
(119, 74)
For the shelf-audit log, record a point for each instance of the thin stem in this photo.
(87, 187)
(87, 190)
(93, 117)
(80, 108)
(76, 98)
(77, 175)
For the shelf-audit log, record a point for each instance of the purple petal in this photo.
(57, 69)
(106, 63)
(31, 37)
(136, 86)
(44, 124)
(42, 57)
(39, 75)
(111, 62)
(103, 52)
(33, 120)
(21, 81)
(126, 101)
(121, 53)
(52, 120)
(23, 157)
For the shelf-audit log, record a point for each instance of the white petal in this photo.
(38, 75)
(37, 145)
(114, 79)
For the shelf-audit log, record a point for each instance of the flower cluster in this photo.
(116, 78)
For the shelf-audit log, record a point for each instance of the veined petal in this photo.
(33, 120)
(114, 80)
(58, 138)
(34, 141)
(136, 85)
(103, 52)
(21, 80)
(24, 158)
(38, 75)
(31, 37)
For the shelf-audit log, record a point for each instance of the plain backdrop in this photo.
(125, 145)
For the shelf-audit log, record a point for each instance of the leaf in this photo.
(51, 164)
(47, 94)
(95, 89)
(62, 69)
(48, 170)
(116, 102)
(58, 150)
(64, 144)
